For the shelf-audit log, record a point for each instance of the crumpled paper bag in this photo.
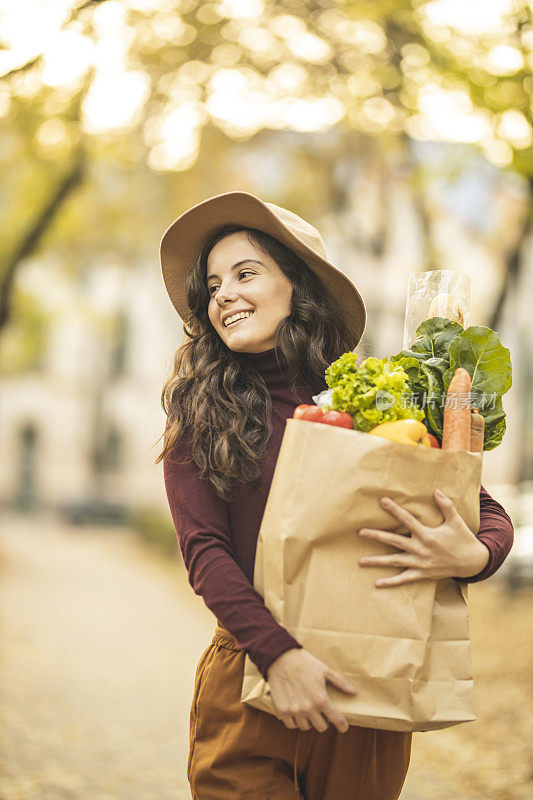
(406, 648)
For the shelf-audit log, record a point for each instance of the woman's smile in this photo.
(240, 319)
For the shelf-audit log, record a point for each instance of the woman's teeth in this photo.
(232, 321)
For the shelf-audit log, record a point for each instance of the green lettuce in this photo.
(377, 391)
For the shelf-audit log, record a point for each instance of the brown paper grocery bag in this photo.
(407, 647)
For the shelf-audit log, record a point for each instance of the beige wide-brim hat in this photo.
(183, 240)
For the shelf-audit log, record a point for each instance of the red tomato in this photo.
(339, 418)
(311, 413)
(434, 441)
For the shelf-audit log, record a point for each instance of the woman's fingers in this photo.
(407, 576)
(318, 721)
(311, 717)
(329, 710)
(341, 682)
(302, 722)
(402, 515)
(299, 693)
(319, 711)
(332, 714)
(306, 718)
(445, 504)
(336, 718)
(395, 539)
(393, 560)
(317, 714)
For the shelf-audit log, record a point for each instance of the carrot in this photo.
(456, 422)
(477, 432)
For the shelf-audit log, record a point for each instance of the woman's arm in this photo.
(202, 525)
(496, 532)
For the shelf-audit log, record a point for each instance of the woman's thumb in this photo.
(340, 682)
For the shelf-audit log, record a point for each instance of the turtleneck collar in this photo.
(275, 376)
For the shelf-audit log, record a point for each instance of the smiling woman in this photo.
(265, 314)
(288, 312)
(246, 306)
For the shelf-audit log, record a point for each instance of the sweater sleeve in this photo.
(496, 532)
(202, 526)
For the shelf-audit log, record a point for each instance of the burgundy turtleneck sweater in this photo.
(218, 539)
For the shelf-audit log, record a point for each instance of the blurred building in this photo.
(84, 425)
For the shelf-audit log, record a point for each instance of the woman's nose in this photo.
(225, 295)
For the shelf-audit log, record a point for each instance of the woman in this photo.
(265, 314)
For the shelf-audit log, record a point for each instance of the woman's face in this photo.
(256, 285)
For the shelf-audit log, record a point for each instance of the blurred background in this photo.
(403, 132)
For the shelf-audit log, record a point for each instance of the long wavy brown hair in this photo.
(216, 399)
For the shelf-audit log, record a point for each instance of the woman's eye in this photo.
(242, 272)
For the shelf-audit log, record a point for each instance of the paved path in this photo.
(100, 639)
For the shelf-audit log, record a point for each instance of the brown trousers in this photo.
(240, 753)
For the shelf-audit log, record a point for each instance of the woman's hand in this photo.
(298, 685)
(450, 550)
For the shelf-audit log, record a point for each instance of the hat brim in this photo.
(185, 237)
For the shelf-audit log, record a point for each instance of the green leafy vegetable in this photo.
(434, 336)
(377, 391)
(488, 361)
(440, 348)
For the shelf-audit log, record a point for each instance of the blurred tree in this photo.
(21, 347)
(149, 83)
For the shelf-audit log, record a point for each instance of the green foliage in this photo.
(441, 347)
(434, 337)
(380, 53)
(479, 350)
(22, 345)
(373, 393)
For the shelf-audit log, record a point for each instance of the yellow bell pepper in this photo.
(406, 431)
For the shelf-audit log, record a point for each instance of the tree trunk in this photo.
(35, 233)
(513, 264)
